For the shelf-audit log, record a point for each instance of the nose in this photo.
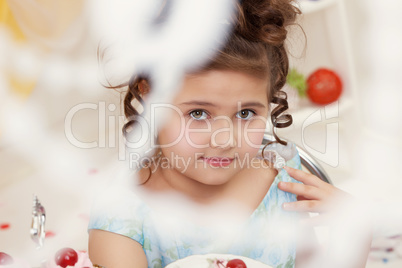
(223, 133)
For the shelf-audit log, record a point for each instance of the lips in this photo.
(218, 161)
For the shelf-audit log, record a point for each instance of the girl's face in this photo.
(216, 125)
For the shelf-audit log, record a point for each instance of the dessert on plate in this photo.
(6, 261)
(65, 258)
(217, 261)
(68, 257)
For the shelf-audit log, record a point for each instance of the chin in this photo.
(214, 177)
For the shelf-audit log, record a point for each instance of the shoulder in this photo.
(267, 166)
(120, 210)
(281, 155)
(110, 249)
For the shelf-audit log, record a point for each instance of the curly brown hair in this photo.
(256, 45)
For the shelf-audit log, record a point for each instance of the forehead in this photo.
(224, 85)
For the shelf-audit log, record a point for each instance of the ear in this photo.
(143, 87)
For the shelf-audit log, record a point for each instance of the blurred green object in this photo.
(298, 81)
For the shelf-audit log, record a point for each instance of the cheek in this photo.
(178, 132)
(176, 139)
(197, 133)
(174, 145)
(172, 132)
(253, 133)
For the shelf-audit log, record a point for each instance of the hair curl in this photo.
(256, 45)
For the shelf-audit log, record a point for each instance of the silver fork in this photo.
(38, 222)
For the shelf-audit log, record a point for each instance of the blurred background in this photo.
(60, 128)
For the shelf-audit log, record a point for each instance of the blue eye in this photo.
(199, 115)
(245, 114)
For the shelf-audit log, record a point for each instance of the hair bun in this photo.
(265, 20)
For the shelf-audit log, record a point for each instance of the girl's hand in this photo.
(314, 195)
(347, 219)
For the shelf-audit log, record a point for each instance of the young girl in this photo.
(207, 188)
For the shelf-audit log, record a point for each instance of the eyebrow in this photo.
(255, 104)
(199, 103)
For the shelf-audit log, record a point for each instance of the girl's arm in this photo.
(115, 251)
(348, 225)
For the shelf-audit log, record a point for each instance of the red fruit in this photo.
(66, 257)
(5, 259)
(323, 86)
(236, 263)
(4, 226)
(49, 234)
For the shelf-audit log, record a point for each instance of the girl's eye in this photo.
(245, 114)
(199, 115)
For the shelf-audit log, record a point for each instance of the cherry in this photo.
(5, 259)
(66, 257)
(236, 263)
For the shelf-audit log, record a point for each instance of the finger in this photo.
(322, 219)
(304, 206)
(305, 177)
(301, 198)
(307, 191)
(309, 179)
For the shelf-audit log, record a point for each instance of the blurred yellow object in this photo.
(21, 87)
(47, 23)
(7, 19)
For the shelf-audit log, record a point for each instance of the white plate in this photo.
(202, 261)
